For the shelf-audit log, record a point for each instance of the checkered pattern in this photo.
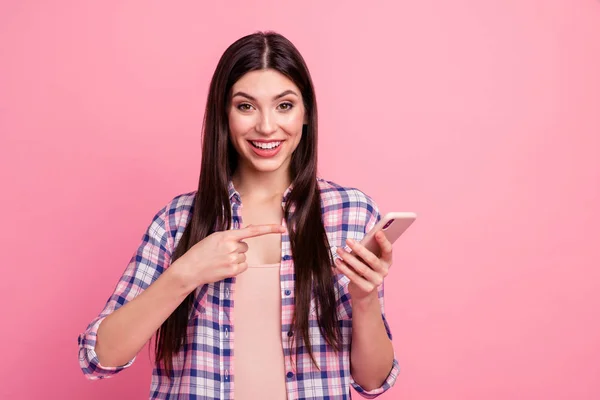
(204, 368)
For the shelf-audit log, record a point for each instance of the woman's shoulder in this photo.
(176, 211)
(182, 201)
(336, 196)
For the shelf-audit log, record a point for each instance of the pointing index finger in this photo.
(257, 230)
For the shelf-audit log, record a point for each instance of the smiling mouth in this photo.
(266, 145)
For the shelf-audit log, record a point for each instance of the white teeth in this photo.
(266, 146)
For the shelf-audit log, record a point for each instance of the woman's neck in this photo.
(261, 185)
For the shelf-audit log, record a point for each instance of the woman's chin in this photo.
(265, 165)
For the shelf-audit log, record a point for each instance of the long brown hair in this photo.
(212, 211)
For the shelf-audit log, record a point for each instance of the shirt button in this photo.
(290, 375)
(227, 292)
(226, 332)
(226, 374)
(290, 334)
(287, 258)
(288, 292)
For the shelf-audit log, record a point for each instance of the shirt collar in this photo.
(234, 196)
(286, 195)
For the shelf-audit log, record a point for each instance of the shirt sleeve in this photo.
(373, 217)
(147, 263)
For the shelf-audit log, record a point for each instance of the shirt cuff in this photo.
(88, 359)
(389, 382)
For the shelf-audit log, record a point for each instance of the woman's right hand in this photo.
(218, 256)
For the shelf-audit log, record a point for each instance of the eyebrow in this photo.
(280, 95)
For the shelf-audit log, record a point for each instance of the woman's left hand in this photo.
(365, 270)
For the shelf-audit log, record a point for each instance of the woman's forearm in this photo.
(123, 333)
(372, 353)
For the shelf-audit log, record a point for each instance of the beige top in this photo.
(258, 363)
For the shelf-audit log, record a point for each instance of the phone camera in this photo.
(388, 224)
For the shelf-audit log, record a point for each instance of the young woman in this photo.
(247, 282)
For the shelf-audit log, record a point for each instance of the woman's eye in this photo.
(244, 107)
(286, 106)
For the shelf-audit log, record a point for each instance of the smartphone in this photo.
(393, 225)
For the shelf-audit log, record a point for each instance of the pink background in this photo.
(482, 116)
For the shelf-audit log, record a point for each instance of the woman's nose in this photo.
(266, 125)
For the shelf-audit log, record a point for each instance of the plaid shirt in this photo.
(203, 369)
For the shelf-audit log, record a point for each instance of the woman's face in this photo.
(265, 120)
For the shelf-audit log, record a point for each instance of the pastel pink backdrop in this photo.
(483, 117)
